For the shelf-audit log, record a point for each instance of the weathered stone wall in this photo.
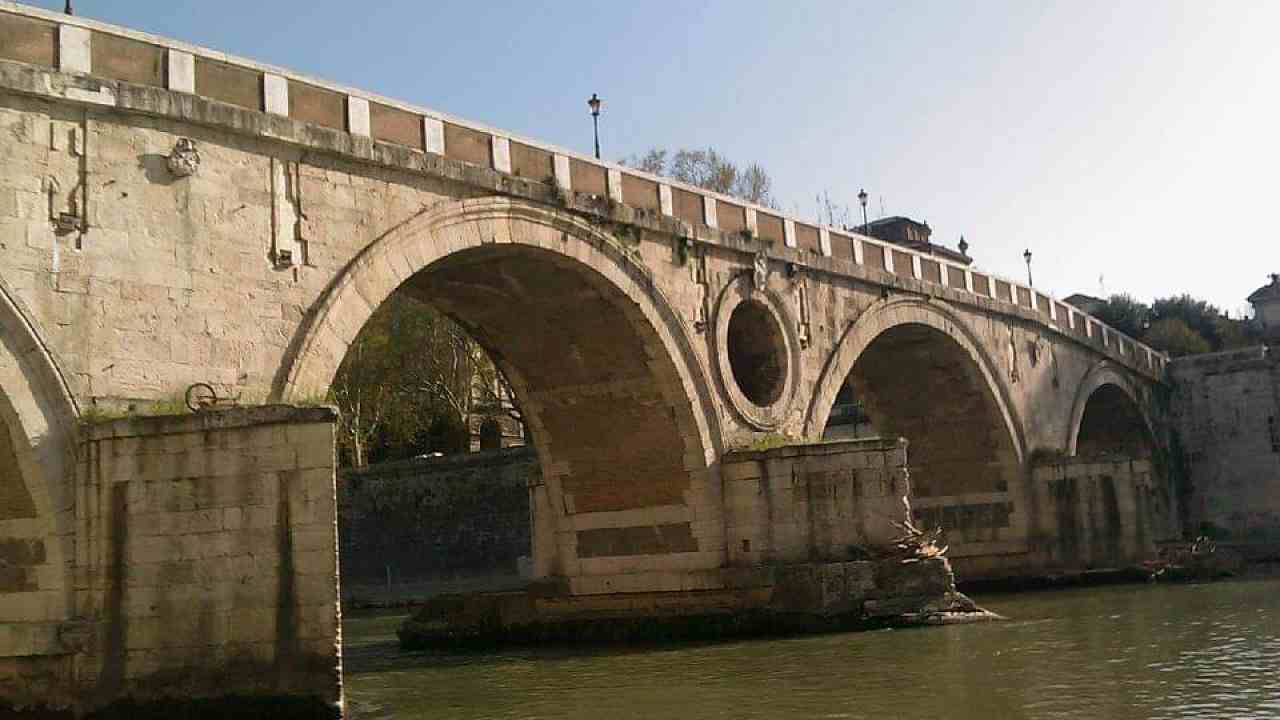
(1095, 513)
(1226, 410)
(206, 561)
(813, 503)
(434, 520)
(606, 295)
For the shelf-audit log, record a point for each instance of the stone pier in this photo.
(205, 571)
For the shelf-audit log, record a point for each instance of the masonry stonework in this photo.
(1227, 413)
(293, 209)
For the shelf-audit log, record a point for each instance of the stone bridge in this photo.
(171, 215)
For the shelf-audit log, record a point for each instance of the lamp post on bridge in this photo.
(594, 103)
(862, 199)
(1026, 255)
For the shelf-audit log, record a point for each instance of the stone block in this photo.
(275, 93)
(181, 75)
(73, 49)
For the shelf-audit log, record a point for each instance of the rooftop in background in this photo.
(914, 235)
(1085, 303)
(1266, 307)
(1270, 291)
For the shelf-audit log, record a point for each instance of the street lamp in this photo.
(594, 103)
(862, 198)
(1026, 255)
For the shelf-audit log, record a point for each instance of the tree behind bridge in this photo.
(708, 170)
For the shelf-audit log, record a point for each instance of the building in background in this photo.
(1087, 304)
(914, 235)
(1266, 308)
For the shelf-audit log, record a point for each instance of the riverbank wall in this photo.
(414, 528)
(1226, 409)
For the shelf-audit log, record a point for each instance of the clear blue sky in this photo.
(1138, 142)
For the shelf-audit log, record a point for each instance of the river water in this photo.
(1131, 652)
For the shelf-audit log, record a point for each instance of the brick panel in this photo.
(533, 163)
(730, 218)
(1024, 297)
(121, 58)
(842, 247)
(930, 271)
(641, 193)
(807, 239)
(468, 145)
(28, 40)
(873, 255)
(1042, 304)
(902, 266)
(687, 206)
(395, 125)
(981, 284)
(229, 83)
(640, 540)
(770, 227)
(316, 105)
(588, 178)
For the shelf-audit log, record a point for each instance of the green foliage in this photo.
(766, 442)
(96, 413)
(709, 170)
(1126, 314)
(1174, 336)
(1178, 325)
(1198, 315)
(407, 384)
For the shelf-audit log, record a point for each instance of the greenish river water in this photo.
(1131, 652)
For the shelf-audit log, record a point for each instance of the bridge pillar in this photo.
(205, 567)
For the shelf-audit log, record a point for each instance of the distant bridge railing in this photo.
(75, 45)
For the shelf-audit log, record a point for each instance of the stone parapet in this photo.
(106, 65)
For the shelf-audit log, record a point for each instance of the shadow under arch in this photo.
(884, 316)
(617, 402)
(1108, 396)
(38, 429)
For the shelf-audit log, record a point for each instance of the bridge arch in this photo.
(38, 432)
(883, 317)
(1109, 412)
(618, 405)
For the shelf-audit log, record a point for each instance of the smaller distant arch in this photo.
(1109, 414)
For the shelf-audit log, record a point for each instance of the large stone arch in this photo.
(1104, 374)
(886, 315)
(443, 254)
(38, 432)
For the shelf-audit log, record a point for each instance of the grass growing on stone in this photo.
(93, 414)
(766, 442)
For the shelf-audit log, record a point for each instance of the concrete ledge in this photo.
(832, 447)
(803, 598)
(240, 417)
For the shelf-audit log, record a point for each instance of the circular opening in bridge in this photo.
(757, 353)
